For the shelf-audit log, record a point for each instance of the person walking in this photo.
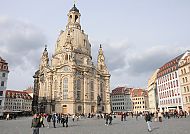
(73, 117)
(110, 119)
(54, 120)
(148, 119)
(106, 118)
(63, 120)
(66, 120)
(49, 120)
(35, 124)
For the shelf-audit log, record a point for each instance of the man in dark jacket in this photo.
(54, 120)
(36, 124)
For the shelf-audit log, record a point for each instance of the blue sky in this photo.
(138, 36)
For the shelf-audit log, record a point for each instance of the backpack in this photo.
(35, 122)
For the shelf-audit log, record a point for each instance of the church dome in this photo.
(74, 9)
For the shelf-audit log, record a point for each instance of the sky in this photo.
(137, 36)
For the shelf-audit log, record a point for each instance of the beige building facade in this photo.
(152, 92)
(70, 82)
(184, 77)
(140, 100)
(17, 101)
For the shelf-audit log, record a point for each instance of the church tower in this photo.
(71, 83)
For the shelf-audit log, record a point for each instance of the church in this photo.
(70, 82)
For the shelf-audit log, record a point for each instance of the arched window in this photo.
(92, 90)
(79, 109)
(78, 97)
(65, 88)
(76, 18)
(101, 91)
(184, 71)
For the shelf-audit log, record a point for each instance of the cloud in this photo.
(132, 67)
(152, 58)
(115, 53)
(21, 43)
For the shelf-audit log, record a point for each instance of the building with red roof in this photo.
(17, 101)
(121, 100)
(140, 100)
(168, 86)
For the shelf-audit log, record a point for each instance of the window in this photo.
(3, 75)
(79, 108)
(65, 88)
(186, 79)
(187, 88)
(2, 83)
(78, 97)
(186, 99)
(184, 89)
(1, 93)
(184, 70)
(66, 57)
(92, 90)
(0, 102)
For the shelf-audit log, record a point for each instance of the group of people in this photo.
(38, 121)
(108, 118)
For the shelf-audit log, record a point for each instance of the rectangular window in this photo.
(92, 95)
(3, 74)
(78, 95)
(1, 93)
(0, 102)
(2, 83)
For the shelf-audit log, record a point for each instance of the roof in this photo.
(170, 66)
(139, 93)
(74, 9)
(17, 94)
(120, 91)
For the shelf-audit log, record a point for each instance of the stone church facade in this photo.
(70, 82)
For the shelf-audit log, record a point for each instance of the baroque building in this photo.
(70, 82)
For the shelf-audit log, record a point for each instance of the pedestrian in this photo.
(66, 120)
(73, 117)
(54, 120)
(110, 119)
(7, 118)
(49, 120)
(106, 118)
(137, 115)
(160, 116)
(63, 120)
(42, 120)
(148, 121)
(35, 124)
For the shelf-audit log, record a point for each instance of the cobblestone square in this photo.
(97, 126)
